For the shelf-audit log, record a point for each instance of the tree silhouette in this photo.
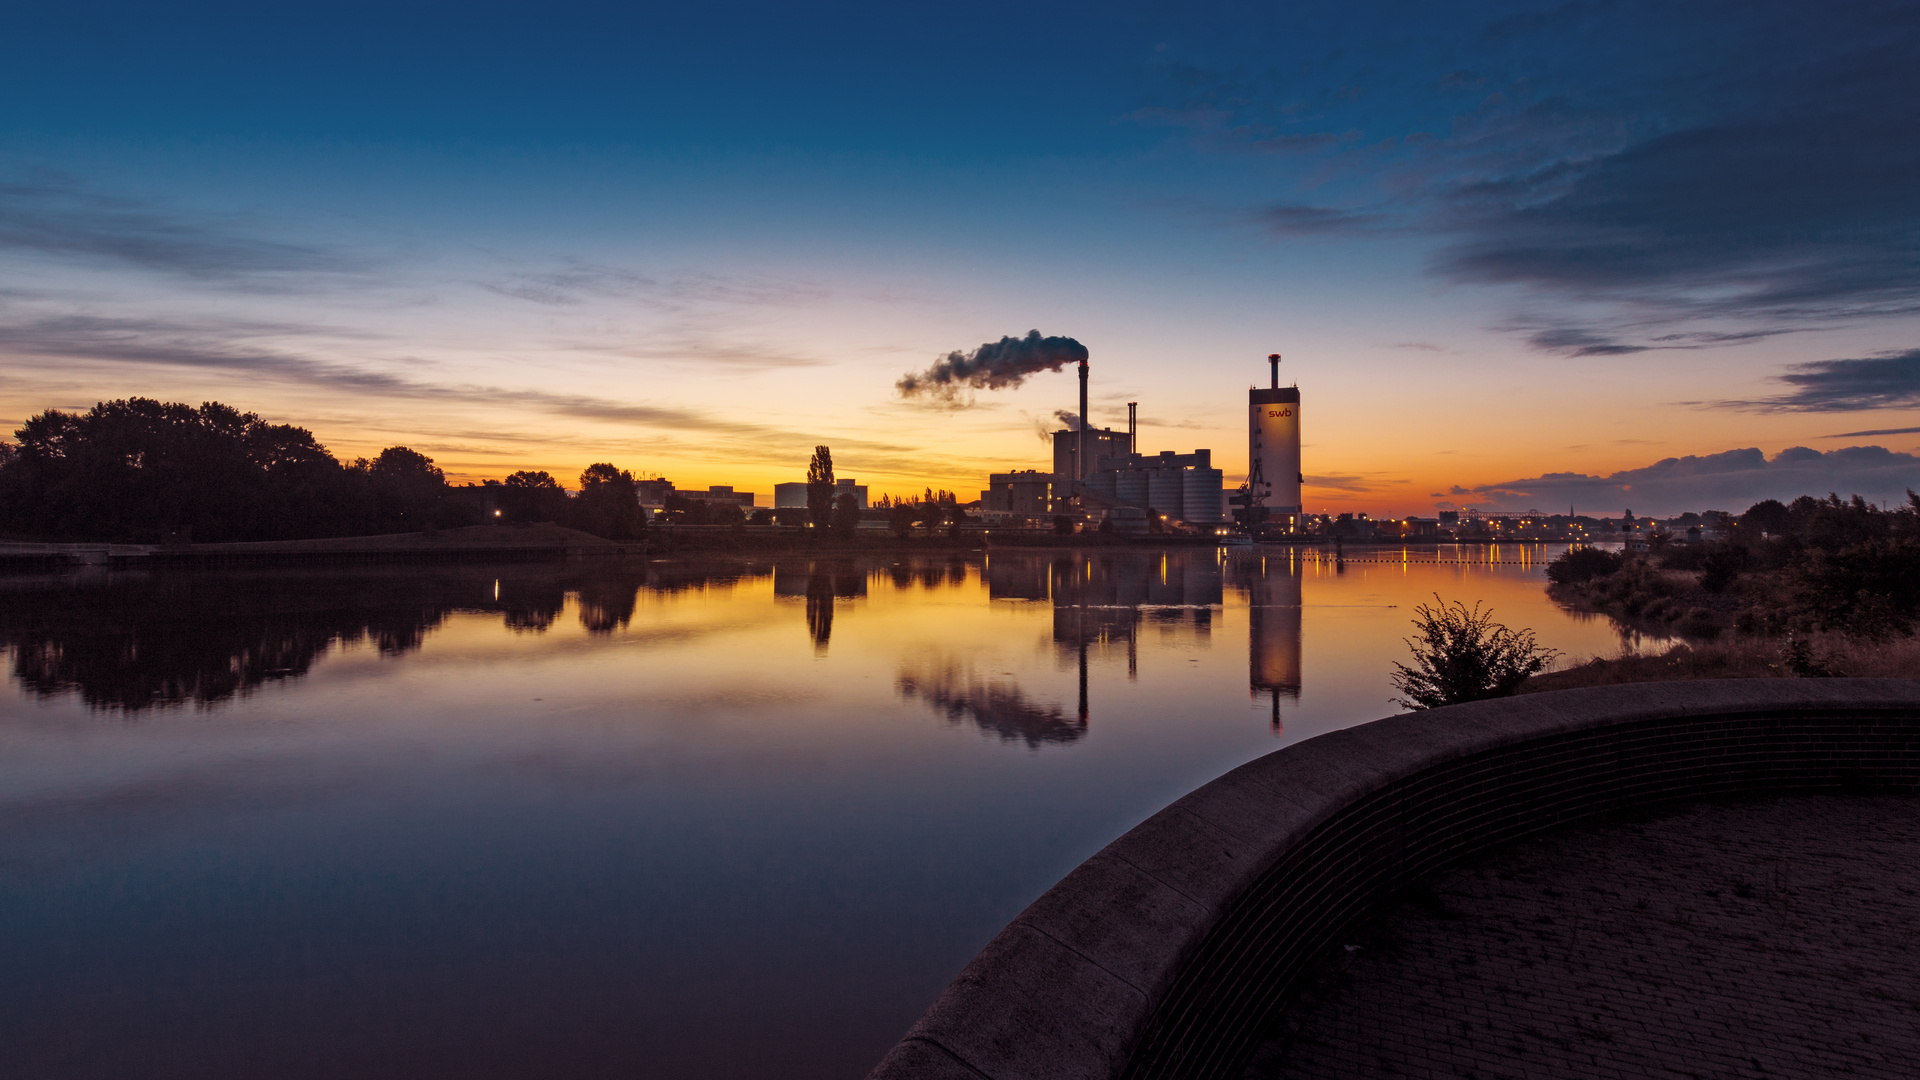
(820, 487)
(609, 503)
(846, 515)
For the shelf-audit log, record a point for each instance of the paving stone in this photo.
(1741, 939)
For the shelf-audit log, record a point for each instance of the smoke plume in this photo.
(1070, 419)
(993, 366)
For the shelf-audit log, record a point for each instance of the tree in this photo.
(1578, 564)
(533, 496)
(408, 488)
(846, 515)
(609, 503)
(820, 487)
(139, 469)
(900, 518)
(1461, 655)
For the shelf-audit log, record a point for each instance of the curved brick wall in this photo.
(1170, 953)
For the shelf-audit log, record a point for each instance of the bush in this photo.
(1461, 655)
(1578, 564)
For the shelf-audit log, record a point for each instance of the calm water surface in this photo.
(680, 819)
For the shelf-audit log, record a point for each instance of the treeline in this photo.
(144, 471)
(1815, 565)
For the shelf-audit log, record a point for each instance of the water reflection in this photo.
(133, 641)
(1271, 585)
(997, 706)
(820, 584)
(136, 641)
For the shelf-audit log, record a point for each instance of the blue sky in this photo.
(1501, 245)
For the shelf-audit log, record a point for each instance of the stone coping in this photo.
(1170, 952)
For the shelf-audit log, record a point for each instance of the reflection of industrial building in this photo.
(1271, 585)
(1106, 598)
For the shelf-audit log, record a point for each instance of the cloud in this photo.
(51, 214)
(1880, 382)
(1340, 482)
(1751, 165)
(576, 281)
(1299, 219)
(1882, 431)
(1733, 481)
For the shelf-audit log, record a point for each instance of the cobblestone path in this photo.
(1759, 939)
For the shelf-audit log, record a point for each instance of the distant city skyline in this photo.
(1515, 257)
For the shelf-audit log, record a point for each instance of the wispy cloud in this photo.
(1880, 382)
(1869, 434)
(575, 281)
(55, 215)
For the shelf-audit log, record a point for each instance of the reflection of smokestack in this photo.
(1081, 465)
(1273, 359)
(1133, 443)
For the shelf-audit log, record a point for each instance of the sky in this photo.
(1516, 255)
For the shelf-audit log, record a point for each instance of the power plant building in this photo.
(1273, 451)
(1028, 492)
(1185, 487)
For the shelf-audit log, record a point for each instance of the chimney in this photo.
(1133, 444)
(1274, 360)
(1086, 436)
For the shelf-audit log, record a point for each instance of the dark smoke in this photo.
(993, 366)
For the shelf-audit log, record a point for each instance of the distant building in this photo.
(1101, 443)
(722, 493)
(1029, 492)
(1185, 487)
(653, 492)
(795, 495)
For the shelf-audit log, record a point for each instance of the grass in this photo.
(1743, 658)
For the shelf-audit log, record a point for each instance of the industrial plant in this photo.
(1101, 477)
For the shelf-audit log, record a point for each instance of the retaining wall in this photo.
(1171, 952)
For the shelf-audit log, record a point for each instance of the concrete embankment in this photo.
(1174, 951)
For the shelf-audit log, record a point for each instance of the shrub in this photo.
(1461, 655)
(1578, 564)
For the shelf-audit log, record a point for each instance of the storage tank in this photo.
(1104, 483)
(1273, 453)
(1163, 492)
(1200, 496)
(1130, 487)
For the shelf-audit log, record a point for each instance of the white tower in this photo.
(1273, 455)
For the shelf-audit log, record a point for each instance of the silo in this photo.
(1164, 490)
(1200, 496)
(1130, 487)
(1273, 453)
(1105, 483)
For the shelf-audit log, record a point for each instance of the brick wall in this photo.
(1171, 951)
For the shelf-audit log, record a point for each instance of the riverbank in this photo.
(1812, 656)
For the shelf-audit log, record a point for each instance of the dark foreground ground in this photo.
(1758, 939)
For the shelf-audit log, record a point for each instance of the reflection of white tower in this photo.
(1272, 585)
(1273, 453)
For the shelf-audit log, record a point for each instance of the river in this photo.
(724, 818)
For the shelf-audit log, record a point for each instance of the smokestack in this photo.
(1133, 443)
(1085, 436)
(1274, 360)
